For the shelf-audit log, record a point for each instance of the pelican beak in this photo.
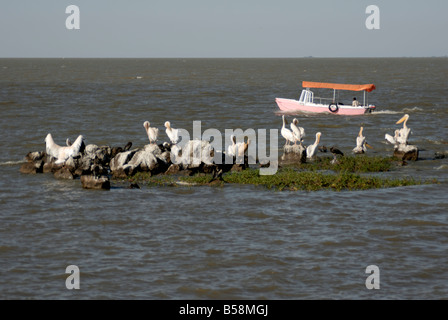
(369, 146)
(405, 117)
(318, 138)
(360, 132)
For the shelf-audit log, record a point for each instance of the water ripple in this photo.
(234, 242)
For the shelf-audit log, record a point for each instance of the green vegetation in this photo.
(153, 181)
(360, 163)
(292, 179)
(351, 173)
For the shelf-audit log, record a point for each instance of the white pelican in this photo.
(312, 149)
(152, 132)
(361, 144)
(393, 140)
(286, 133)
(405, 131)
(299, 132)
(237, 149)
(243, 148)
(232, 149)
(172, 133)
(62, 153)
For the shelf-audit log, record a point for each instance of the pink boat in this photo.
(306, 102)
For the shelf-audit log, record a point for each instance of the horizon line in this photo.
(303, 57)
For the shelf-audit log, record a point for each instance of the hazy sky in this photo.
(223, 28)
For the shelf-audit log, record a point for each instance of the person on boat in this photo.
(355, 102)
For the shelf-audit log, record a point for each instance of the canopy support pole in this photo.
(364, 103)
(334, 95)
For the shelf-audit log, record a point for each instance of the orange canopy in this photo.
(337, 86)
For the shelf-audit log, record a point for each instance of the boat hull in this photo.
(291, 105)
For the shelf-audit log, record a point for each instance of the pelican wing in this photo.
(76, 146)
(311, 150)
(296, 132)
(404, 135)
(173, 134)
(287, 134)
(63, 153)
(390, 139)
(153, 133)
(360, 140)
(231, 150)
(51, 147)
(302, 132)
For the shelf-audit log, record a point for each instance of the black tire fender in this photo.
(333, 107)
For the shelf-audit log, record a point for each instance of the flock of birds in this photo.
(295, 136)
(153, 132)
(235, 149)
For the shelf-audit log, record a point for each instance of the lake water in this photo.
(230, 242)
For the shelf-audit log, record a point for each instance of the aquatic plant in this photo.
(351, 173)
(291, 179)
(150, 180)
(359, 164)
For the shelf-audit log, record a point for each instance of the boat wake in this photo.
(387, 112)
(302, 113)
(441, 142)
(11, 163)
(412, 109)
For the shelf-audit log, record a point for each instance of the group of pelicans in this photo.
(235, 149)
(296, 134)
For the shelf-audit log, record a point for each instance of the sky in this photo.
(223, 29)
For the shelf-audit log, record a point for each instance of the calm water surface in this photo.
(231, 242)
